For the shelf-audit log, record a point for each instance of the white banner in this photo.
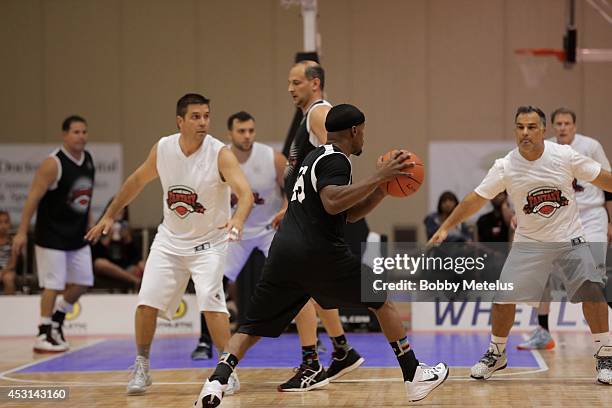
(18, 163)
(94, 315)
(476, 316)
(460, 167)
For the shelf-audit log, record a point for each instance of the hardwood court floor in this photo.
(564, 378)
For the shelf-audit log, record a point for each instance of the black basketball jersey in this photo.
(61, 219)
(307, 227)
(300, 147)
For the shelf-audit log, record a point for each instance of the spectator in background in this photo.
(495, 226)
(116, 255)
(7, 260)
(446, 204)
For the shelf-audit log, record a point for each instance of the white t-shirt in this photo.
(196, 200)
(587, 195)
(541, 191)
(260, 171)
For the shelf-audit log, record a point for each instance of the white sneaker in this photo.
(604, 365)
(139, 378)
(491, 362)
(46, 343)
(211, 394)
(233, 384)
(426, 379)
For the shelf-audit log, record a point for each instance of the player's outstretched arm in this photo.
(230, 170)
(603, 180)
(44, 177)
(130, 189)
(466, 208)
(337, 199)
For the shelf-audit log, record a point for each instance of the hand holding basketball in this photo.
(406, 172)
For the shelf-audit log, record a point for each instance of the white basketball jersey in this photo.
(196, 201)
(260, 171)
(587, 195)
(541, 191)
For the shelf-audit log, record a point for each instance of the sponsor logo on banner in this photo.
(468, 316)
(179, 323)
(19, 161)
(74, 325)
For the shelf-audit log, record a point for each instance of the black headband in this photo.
(343, 116)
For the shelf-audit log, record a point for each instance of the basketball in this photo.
(403, 186)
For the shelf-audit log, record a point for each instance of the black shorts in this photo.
(288, 283)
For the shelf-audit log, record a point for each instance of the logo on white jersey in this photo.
(544, 201)
(183, 201)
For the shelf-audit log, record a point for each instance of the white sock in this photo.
(600, 339)
(45, 320)
(64, 306)
(499, 343)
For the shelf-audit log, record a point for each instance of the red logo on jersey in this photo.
(257, 200)
(544, 201)
(183, 201)
(80, 195)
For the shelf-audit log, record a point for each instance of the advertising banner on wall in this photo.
(476, 316)
(96, 315)
(460, 166)
(18, 163)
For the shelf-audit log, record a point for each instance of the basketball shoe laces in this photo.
(302, 376)
(489, 358)
(604, 363)
(138, 370)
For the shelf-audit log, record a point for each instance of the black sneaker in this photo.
(45, 343)
(203, 351)
(305, 379)
(343, 364)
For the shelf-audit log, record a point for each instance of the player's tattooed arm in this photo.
(230, 170)
(466, 208)
(130, 189)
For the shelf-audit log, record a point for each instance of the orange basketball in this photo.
(403, 186)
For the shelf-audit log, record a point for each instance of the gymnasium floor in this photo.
(96, 371)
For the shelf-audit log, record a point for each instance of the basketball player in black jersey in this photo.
(310, 258)
(61, 194)
(306, 84)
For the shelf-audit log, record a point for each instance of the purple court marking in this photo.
(459, 350)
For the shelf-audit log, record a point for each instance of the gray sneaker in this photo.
(604, 365)
(491, 362)
(539, 339)
(139, 378)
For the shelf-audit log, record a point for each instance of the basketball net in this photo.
(534, 62)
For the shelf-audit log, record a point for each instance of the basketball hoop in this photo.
(533, 63)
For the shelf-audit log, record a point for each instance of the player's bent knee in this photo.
(590, 292)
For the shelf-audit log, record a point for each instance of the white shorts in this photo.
(166, 276)
(531, 266)
(56, 267)
(238, 253)
(595, 224)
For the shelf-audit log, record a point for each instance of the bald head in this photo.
(312, 70)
